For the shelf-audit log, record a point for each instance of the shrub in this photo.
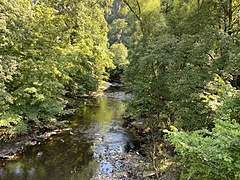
(205, 154)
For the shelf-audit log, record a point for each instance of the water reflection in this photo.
(96, 132)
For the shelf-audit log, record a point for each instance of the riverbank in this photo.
(135, 161)
(12, 148)
(96, 144)
(158, 154)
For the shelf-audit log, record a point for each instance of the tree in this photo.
(180, 73)
(178, 60)
(49, 49)
(120, 60)
(118, 31)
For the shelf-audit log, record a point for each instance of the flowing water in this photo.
(96, 135)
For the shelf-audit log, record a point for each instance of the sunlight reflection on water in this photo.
(96, 134)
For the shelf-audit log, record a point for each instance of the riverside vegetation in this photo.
(180, 59)
(184, 74)
(50, 50)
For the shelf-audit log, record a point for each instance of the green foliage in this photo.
(118, 30)
(120, 59)
(120, 54)
(207, 154)
(181, 62)
(49, 50)
(11, 125)
(171, 67)
(230, 108)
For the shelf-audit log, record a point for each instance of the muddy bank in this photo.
(12, 149)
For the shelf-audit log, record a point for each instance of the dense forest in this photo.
(50, 50)
(184, 74)
(180, 59)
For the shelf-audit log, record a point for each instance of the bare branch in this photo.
(130, 7)
(210, 56)
(139, 10)
(138, 15)
(235, 7)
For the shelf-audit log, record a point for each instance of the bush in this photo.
(11, 125)
(205, 154)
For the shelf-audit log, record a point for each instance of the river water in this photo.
(95, 137)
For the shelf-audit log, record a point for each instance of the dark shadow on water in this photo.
(96, 132)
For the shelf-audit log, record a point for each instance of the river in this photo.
(88, 148)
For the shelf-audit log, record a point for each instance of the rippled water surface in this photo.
(95, 134)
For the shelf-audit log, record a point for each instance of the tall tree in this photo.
(179, 59)
(49, 49)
